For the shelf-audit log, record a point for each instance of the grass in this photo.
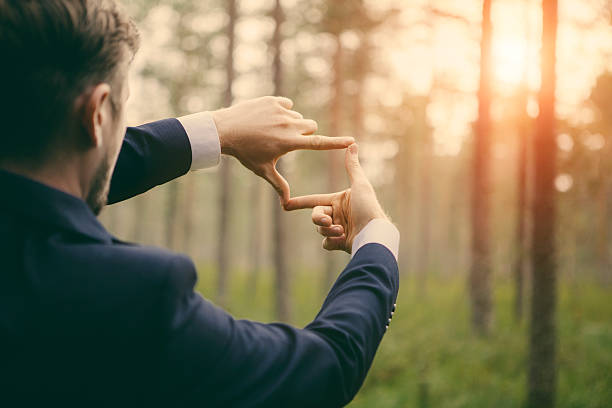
(430, 358)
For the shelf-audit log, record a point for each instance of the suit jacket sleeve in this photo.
(212, 358)
(151, 155)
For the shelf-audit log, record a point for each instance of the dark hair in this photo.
(52, 51)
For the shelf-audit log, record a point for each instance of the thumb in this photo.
(351, 161)
(279, 183)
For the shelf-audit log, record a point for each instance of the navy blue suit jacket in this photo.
(87, 320)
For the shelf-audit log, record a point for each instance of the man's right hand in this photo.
(259, 131)
(341, 216)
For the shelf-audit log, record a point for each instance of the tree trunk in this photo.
(406, 167)
(361, 68)
(520, 265)
(524, 184)
(225, 170)
(283, 311)
(187, 208)
(171, 212)
(542, 341)
(335, 157)
(603, 192)
(480, 272)
(424, 214)
(255, 233)
(139, 227)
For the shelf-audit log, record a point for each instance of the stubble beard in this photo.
(98, 193)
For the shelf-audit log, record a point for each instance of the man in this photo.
(87, 320)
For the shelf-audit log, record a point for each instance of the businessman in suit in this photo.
(88, 320)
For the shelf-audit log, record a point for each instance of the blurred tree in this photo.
(178, 209)
(188, 209)
(255, 231)
(523, 130)
(140, 211)
(172, 205)
(521, 264)
(424, 220)
(601, 99)
(406, 132)
(334, 24)
(412, 176)
(177, 89)
(225, 169)
(542, 334)
(283, 310)
(340, 18)
(480, 272)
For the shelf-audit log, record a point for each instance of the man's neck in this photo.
(63, 177)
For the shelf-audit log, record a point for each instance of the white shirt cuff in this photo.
(378, 231)
(204, 138)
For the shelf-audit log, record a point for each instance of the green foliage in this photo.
(430, 346)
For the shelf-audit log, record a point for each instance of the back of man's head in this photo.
(52, 51)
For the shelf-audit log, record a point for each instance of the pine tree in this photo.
(283, 307)
(542, 330)
(480, 272)
(225, 170)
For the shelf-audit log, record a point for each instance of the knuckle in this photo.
(316, 141)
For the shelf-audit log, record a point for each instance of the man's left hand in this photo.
(259, 131)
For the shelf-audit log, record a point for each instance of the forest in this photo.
(486, 129)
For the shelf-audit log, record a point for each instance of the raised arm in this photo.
(151, 155)
(212, 357)
(256, 132)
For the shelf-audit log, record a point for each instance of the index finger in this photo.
(318, 142)
(310, 201)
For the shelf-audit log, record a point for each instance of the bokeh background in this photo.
(404, 78)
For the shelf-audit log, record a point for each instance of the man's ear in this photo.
(96, 113)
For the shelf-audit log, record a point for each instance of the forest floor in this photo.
(430, 358)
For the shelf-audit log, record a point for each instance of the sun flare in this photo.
(509, 60)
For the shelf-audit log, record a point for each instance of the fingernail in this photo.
(353, 148)
(338, 229)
